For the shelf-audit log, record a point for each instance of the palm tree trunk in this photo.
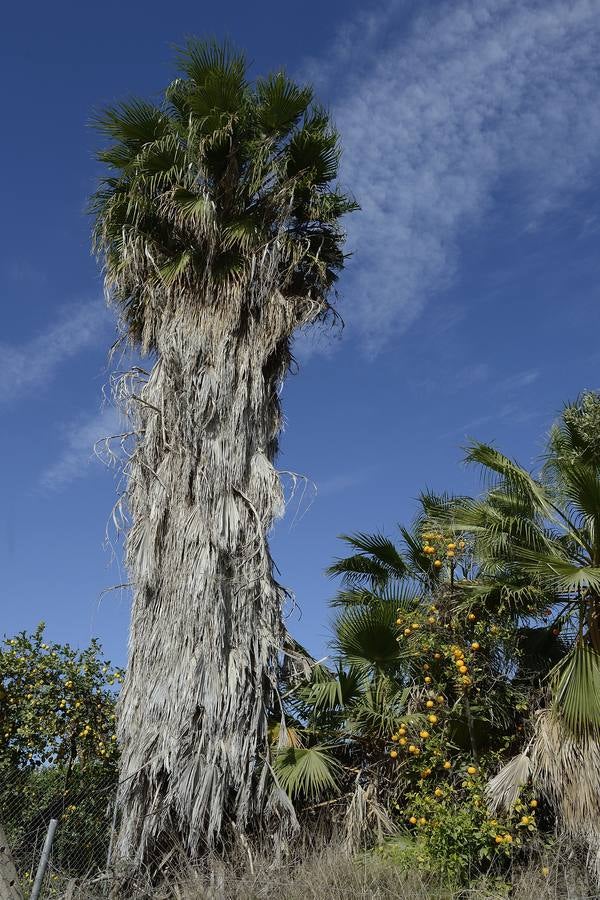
(206, 623)
(10, 888)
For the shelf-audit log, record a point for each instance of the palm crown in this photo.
(223, 181)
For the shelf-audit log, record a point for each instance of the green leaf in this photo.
(576, 690)
(377, 561)
(366, 636)
(135, 121)
(307, 771)
(281, 103)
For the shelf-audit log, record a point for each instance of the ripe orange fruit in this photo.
(402, 730)
(463, 670)
(474, 646)
(438, 563)
(429, 704)
(472, 770)
(437, 655)
(393, 754)
(394, 737)
(508, 838)
(447, 764)
(471, 617)
(427, 679)
(498, 839)
(422, 821)
(438, 792)
(432, 719)
(425, 773)
(431, 620)
(412, 748)
(407, 631)
(402, 741)
(533, 804)
(413, 820)
(440, 699)
(449, 553)
(424, 734)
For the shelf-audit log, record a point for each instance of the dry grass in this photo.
(332, 875)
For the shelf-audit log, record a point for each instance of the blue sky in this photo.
(472, 141)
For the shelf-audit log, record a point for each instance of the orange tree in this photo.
(429, 693)
(58, 752)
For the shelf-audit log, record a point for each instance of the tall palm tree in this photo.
(219, 227)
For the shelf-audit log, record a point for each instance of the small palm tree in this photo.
(219, 227)
(538, 544)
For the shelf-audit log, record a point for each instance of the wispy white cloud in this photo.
(510, 412)
(448, 101)
(22, 272)
(519, 380)
(26, 366)
(78, 452)
(344, 481)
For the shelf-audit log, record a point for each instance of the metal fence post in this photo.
(44, 858)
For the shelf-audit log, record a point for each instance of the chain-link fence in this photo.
(81, 799)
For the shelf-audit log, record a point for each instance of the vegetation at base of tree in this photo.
(451, 738)
(461, 713)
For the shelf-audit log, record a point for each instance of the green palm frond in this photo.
(400, 594)
(198, 208)
(337, 692)
(282, 103)
(359, 569)
(133, 122)
(557, 570)
(218, 72)
(366, 636)
(313, 152)
(307, 772)
(419, 562)
(576, 690)
(580, 489)
(376, 562)
(512, 476)
(379, 709)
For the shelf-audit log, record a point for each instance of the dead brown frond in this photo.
(503, 790)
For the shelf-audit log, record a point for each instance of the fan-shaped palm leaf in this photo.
(576, 690)
(307, 771)
(366, 636)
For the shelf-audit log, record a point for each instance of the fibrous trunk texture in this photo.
(10, 888)
(206, 623)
